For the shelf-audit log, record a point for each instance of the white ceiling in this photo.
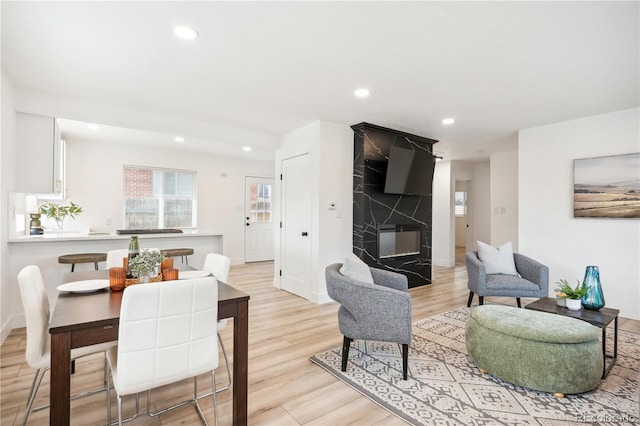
(272, 67)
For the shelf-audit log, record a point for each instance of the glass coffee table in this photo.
(601, 318)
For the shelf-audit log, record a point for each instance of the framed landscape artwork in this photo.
(607, 186)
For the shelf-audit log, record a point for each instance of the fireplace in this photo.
(403, 244)
(398, 240)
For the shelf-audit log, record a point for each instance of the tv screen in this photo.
(409, 172)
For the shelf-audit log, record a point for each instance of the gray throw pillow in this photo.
(353, 267)
(497, 260)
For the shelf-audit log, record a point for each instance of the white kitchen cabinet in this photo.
(39, 155)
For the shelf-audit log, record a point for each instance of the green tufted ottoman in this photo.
(535, 350)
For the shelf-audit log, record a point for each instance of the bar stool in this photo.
(182, 252)
(82, 258)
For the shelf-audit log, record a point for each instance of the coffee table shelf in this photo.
(601, 318)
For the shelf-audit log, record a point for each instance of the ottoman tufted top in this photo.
(534, 325)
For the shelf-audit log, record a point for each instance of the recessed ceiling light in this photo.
(185, 33)
(246, 148)
(361, 93)
(448, 121)
(179, 139)
(93, 126)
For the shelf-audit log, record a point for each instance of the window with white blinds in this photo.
(159, 198)
(461, 203)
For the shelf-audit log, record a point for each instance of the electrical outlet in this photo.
(107, 221)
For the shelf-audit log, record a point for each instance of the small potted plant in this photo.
(58, 212)
(145, 266)
(571, 295)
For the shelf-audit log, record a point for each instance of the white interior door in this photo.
(258, 236)
(296, 226)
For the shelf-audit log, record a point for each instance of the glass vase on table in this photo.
(134, 251)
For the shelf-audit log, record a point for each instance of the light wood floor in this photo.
(285, 388)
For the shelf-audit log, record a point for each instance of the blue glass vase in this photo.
(594, 299)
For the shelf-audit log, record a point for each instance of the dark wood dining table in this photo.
(83, 319)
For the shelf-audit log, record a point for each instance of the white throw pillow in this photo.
(353, 267)
(497, 260)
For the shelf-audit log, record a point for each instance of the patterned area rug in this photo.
(446, 388)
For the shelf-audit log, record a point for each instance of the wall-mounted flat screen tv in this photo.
(409, 172)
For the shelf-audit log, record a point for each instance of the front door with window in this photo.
(258, 245)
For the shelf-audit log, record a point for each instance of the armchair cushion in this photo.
(353, 267)
(497, 260)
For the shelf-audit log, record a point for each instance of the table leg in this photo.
(613, 358)
(60, 393)
(240, 363)
(615, 339)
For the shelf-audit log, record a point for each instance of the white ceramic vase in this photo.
(574, 304)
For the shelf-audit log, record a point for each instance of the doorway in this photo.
(258, 236)
(295, 234)
(462, 215)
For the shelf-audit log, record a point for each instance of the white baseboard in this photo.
(16, 321)
(447, 263)
(321, 298)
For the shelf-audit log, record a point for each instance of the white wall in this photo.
(443, 252)
(7, 159)
(95, 178)
(447, 173)
(547, 230)
(504, 198)
(330, 147)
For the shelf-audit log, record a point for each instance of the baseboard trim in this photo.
(447, 263)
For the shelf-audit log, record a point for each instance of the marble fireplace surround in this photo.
(373, 209)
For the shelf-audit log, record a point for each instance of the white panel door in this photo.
(258, 241)
(296, 225)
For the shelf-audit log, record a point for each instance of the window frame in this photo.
(465, 205)
(157, 191)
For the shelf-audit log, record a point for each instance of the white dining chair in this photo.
(166, 334)
(114, 257)
(219, 266)
(38, 352)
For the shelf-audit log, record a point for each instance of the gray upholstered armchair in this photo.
(533, 280)
(379, 312)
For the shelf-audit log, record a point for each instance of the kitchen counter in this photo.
(44, 250)
(83, 236)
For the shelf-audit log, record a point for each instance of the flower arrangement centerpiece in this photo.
(144, 267)
(571, 295)
(59, 213)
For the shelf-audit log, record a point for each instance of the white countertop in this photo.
(84, 236)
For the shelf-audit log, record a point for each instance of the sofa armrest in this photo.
(476, 272)
(389, 279)
(533, 271)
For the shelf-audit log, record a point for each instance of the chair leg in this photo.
(481, 300)
(470, 299)
(405, 360)
(108, 397)
(215, 399)
(518, 300)
(119, 402)
(32, 393)
(226, 361)
(346, 343)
